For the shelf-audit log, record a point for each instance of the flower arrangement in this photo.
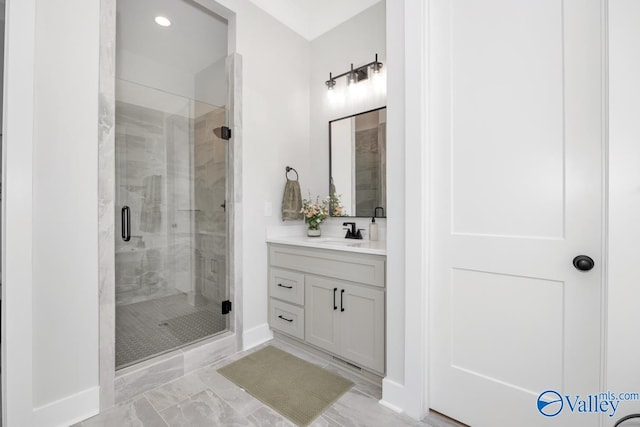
(315, 212)
(335, 206)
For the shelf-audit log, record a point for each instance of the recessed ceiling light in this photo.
(162, 21)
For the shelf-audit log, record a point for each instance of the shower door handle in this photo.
(125, 215)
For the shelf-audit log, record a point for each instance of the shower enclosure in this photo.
(172, 163)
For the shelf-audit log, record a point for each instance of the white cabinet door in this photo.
(516, 133)
(362, 326)
(321, 307)
(346, 319)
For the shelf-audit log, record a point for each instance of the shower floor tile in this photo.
(145, 329)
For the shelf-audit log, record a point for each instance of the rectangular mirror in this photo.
(358, 162)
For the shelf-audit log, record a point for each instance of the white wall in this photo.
(354, 41)
(51, 204)
(275, 108)
(65, 198)
(623, 337)
(17, 210)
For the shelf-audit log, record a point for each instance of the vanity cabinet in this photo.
(352, 326)
(330, 299)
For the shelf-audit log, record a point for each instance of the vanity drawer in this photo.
(287, 318)
(354, 267)
(286, 285)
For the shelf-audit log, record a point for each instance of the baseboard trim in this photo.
(393, 395)
(256, 336)
(394, 408)
(401, 398)
(70, 410)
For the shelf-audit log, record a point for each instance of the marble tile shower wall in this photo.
(171, 171)
(140, 155)
(179, 263)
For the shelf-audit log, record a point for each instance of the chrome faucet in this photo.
(352, 233)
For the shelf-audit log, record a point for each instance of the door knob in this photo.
(583, 262)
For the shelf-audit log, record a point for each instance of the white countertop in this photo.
(377, 247)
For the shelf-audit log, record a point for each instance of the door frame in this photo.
(405, 387)
(106, 189)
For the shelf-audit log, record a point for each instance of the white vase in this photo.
(313, 232)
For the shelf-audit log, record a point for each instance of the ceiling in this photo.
(312, 18)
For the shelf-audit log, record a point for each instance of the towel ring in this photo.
(289, 169)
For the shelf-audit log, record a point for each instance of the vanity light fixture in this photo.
(376, 66)
(331, 83)
(355, 75)
(162, 21)
(352, 76)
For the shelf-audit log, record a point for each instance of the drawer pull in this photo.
(284, 318)
(283, 286)
(335, 307)
(341, 295)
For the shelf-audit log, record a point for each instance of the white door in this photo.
(516, 113)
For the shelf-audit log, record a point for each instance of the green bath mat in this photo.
(298, 390)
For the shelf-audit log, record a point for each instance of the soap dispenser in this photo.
(373, 229)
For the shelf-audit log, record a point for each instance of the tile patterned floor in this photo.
(148, 328)
(206, 398)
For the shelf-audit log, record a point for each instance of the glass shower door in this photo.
(172, 239)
